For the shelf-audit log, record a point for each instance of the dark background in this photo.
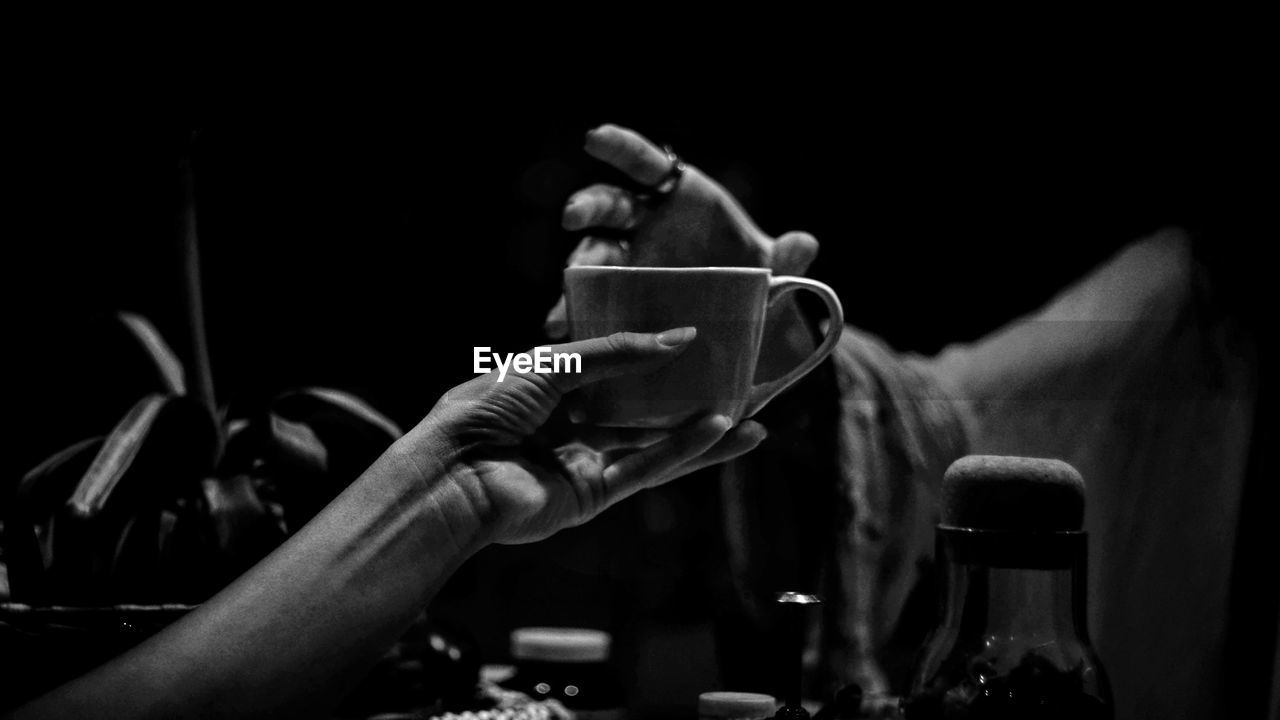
(365, 225)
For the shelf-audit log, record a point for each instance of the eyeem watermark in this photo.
(541, 361)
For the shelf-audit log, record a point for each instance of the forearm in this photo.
(290, 635)
(1035, 385)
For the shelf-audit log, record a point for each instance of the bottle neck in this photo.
(1001, 586)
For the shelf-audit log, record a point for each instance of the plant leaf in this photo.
(28, 524)
(165, 359)
(353, 432)
(355, 406)
(36, 489)
(244, 528)
(298, 446)
(115, 457)
(242, 449)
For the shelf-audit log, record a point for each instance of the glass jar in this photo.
(570, 666)
(1012, 640)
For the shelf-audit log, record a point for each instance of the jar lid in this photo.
(560, 644)
(736, 705)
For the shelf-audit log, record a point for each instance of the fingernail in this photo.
(721, 423)
(677, 336)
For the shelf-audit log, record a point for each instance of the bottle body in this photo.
(570, 666)
(1012, 639)
(586, 688)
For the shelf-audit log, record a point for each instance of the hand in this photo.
(700, 223)
(486, 435)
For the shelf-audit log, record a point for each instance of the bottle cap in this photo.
(560, 644)
(736, 705)
(496, 674)
(1021, 494)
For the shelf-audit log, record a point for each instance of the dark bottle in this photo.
(569, 665)
(1011, 640)
(795, 613)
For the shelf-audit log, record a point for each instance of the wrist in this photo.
(428, 469)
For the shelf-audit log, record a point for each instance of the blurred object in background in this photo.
(726, 705)
(570, 666)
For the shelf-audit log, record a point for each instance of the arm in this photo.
(1136, 377)
(1078, 353)
(1139, 377)
(288, 637)
(290, 634)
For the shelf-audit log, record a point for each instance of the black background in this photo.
(366, 227)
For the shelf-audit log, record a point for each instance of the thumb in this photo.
(793, 253)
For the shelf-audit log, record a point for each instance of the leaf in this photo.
(244, 528)
(353, 433)
(166, 361)
(115, 457)
(353, 405)
(55, 476)
(235, 427)
(162, 447)
(28, 517)
(243, 447)
(297, 446)
(296, 471)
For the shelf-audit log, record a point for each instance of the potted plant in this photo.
(118, 534)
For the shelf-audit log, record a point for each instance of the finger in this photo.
(605, 439)
(590, 251)
(793, 253)
(737, 442)
(613, 355)
(647, 467)
(601, 206)
(630, 152)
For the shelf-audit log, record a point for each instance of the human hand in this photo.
(699, 223)
(523, 486)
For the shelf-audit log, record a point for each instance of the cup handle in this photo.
(778, 287)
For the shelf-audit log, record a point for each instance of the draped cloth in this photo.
(1136, 377)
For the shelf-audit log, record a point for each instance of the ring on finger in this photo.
(668, 183)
